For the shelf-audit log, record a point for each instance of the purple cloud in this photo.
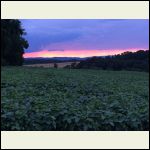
(89, 34)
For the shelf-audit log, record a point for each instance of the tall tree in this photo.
(13, 42)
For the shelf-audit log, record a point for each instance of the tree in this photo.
(55, 65)
(12, 42)
(138, 61)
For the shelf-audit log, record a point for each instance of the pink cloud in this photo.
(76, 53)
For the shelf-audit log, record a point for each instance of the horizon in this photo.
(89, 56)
(84, 37)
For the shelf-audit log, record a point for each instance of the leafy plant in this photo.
(43, 99)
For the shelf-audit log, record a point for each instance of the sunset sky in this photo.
(84, 37)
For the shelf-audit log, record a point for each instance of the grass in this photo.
(40, 99)
(51, 65)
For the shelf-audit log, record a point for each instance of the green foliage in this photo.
(12, 42)
(43, 99)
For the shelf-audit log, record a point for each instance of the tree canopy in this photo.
(135, 61)
(13, 42)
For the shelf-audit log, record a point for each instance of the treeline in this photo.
(134, 61)
(12, 42)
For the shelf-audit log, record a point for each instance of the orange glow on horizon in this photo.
(76, 53)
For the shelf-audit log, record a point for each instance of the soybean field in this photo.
(50, 99)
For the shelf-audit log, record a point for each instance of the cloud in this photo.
(40, 41)
(61, 50)
(80, 34)
(74, 53)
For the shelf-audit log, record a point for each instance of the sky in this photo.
(84, 37)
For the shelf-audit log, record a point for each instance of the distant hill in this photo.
(40, 60)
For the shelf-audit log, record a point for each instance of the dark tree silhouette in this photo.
(55, 65)
(12, 42)
(136, 61)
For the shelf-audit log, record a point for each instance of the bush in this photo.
(55, 65)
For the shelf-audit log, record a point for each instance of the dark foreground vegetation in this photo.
(40, 99)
